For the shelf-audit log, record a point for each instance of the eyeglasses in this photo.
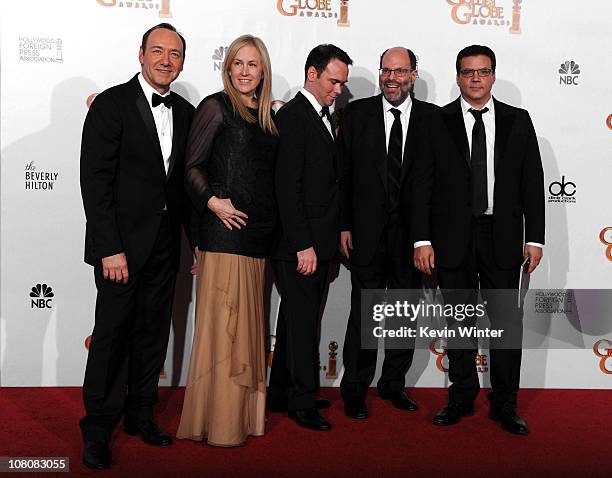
(399, 72)
(482, 73)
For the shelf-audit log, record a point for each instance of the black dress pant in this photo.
(479, 270)
(390, 268)
(294, 378)
(129, 343)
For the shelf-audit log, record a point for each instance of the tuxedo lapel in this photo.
(456, 127)
(147, 117)
(178, 133)
(377, 127)
(316, 119)
(413, 121)
(504, 120)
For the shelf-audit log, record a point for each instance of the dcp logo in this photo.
(603, 349)
(605, 236)
(562, 188)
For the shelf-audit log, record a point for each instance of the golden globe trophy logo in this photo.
(271, 351)
(321, 9)
(161, 6)
(332, 365)
(603, 350)
(330, 369)
(487, 12)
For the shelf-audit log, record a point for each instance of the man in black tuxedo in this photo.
(478, 213)
(377, 136)
(132, 186)
(307, 189)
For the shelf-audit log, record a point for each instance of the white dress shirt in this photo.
(315, 104)
(488, 119)
(405, 108)
(163, 120)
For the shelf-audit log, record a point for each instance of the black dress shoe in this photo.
(96, 455)
(400, 400)
(355, 408)
(150, 433)
(320, 403)
(510, 421)
(311, 418)
(452, 413)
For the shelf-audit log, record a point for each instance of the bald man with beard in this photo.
(377, 137)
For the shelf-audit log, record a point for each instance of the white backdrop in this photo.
(553, 59)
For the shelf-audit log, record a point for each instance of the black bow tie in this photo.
(166, 100)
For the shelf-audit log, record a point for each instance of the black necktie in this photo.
(158, 100)
(478, 162)
(394, 161)
(325, 112)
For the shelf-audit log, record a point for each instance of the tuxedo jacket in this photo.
(441, 191)
(306, 183)
(124, 184)
(365, 209)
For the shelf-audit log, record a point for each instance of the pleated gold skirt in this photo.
(226, 389)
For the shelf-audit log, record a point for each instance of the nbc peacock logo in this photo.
(218, 56)
(41, 296)
(569, 71)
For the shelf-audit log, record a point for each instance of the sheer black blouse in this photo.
(230, 158)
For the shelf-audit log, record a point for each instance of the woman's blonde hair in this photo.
(264, 89)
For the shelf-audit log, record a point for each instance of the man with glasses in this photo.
(477, 215)
(377, 135)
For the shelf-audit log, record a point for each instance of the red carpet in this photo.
(570, 436)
